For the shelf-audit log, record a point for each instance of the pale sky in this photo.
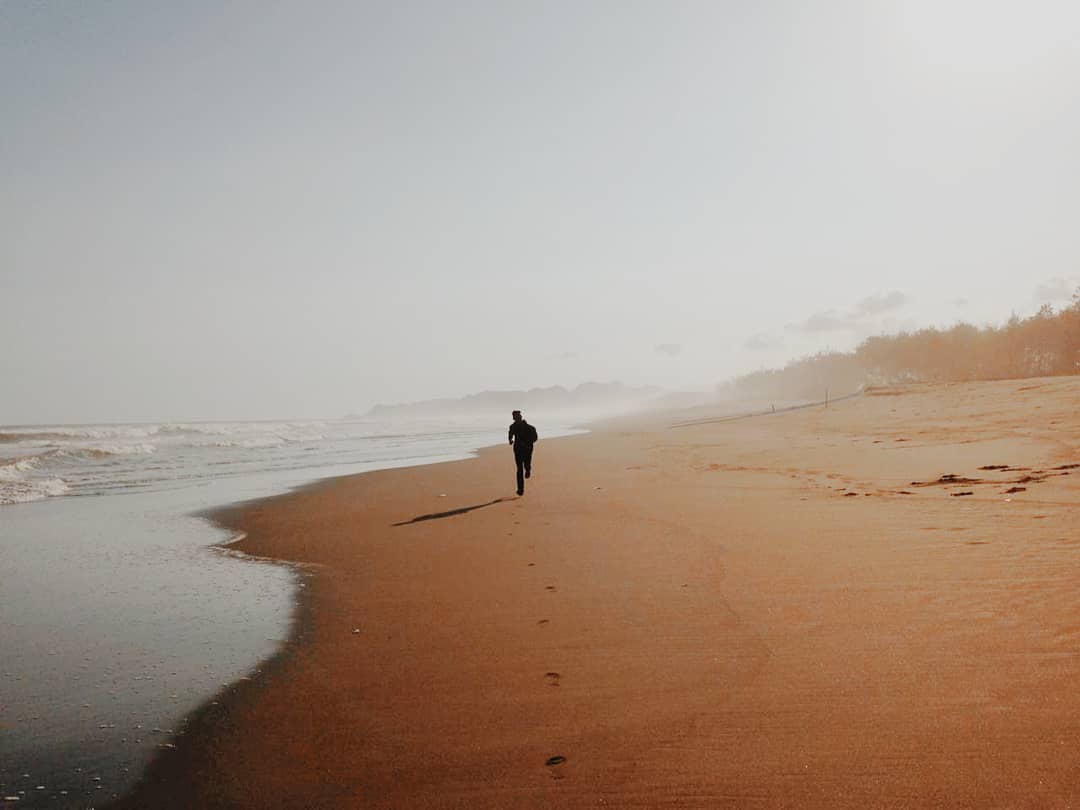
(299, 209)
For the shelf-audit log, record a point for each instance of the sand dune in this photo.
(799, 610)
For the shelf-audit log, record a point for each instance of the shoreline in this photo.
(178, 758)
(170, 762)
(174, 760)
(460, 712)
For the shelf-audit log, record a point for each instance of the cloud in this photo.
(959, 302)
(670, 349)
(763, 342)
(877, 304)
(857, 319)
(1056, 289)
(567, 356)
(829, 321)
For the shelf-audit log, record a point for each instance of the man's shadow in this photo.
(451, 513)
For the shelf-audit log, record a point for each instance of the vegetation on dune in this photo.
(1046, 344)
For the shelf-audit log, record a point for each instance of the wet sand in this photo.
(804, 609)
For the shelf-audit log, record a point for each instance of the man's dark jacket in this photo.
(522, 434)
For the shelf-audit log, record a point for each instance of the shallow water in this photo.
(117, 622)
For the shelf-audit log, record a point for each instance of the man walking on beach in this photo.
(522, 436)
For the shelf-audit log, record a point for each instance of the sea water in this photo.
(117, 617)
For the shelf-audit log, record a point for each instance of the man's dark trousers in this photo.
(523, 457)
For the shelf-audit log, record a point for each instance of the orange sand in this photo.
(696, 617)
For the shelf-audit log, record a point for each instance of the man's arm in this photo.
(510, 435)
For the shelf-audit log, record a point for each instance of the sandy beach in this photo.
(875, 604)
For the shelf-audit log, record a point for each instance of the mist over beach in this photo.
(421, 405)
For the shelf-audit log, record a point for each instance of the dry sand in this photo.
(760, 612)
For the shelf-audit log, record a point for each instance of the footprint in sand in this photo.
(551, 678)
(549, 588)
(553, 764)
(531, 565)
(543, 621)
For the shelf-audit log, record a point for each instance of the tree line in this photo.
(1046, 344)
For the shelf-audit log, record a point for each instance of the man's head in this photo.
(516, 415)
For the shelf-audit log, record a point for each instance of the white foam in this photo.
(18, 486)
(249, 444)
(113, 449)
(146, 438)
(63, 433)
(13, 468)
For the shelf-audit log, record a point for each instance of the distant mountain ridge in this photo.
(590, 396)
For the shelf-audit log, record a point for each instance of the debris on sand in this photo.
(948, 478)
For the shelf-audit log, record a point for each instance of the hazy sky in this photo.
(288, 209)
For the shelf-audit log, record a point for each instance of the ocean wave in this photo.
(99, 451)
(36, 489)
(17, 485)
(11, 468)
(53, 454)
(31, 436)
(206, 434)
(253, 443)
(259, 441)
(19, 466)
(64, 434)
